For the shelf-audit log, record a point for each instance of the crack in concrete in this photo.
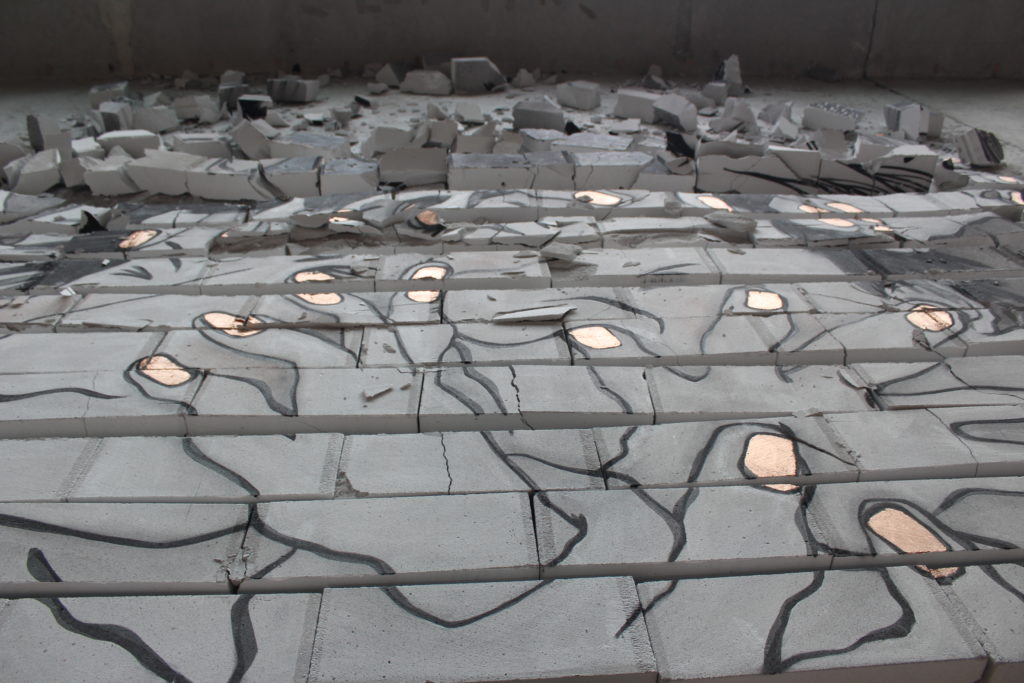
(447, 463)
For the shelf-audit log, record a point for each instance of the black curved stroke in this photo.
(126, 639)
(6, 398)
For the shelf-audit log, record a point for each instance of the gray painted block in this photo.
(537, 631)
(601, 396)
(378, 541)
(902, 444)
(671, 533)
(460, 270)
(268, 637)
(994, 435)
(145, 311)
(107, 351)
(280, 274)
(808, 626)
(470, 462)
(316, 310)
(712, 393)
(460, 344)
(635, 267)
(470, 398)
(782, 453)
(104, 544)
(209, 468)
(41, 469)
(587, 303)
(956, 382)
(788, 265)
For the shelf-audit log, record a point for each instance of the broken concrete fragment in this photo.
(414, 166)
(135, 142)
(228, 95)
(558, 251)
(348, 176)
(302, 144)
(677, 111)
(295, 177)
(488, 171)
(201, 107)
(909, 119)
(469, 113)
(538, 112)
(115, 115)
(232, 77)
(162, 171)
(636, 104)
(443, 134)
(729, 73)
(979, 148)
(523, 79)
(475, 75)
(592, 142)
(253, 106)
(731, 221)
(391, 75)
(426, 82)
(109, 177)
(376, 88)
(716, 91)
(34, 174)
(385, 139)
(155, 119)
(532, 315)
(201, 144)
(608, 170)
(98, 94)
(253, 138)
(293, 89)
(583, 95)
(228, 180)
(540, 139)
(831, 116)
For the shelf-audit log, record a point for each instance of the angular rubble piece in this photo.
(830, 116)
(779, 454)
(488, 171)
(33, 313)
(158, 119)
(469, 462)
(843, 626)
(901, 444)
(540, 139)
(551, 170)
(954, 263)
(295, 177)
(142, 311)
(635, 104)
(608, 170)
(98, 94)
(155, 276)
(584, 303)
(293, 89)
(934, 525)
(905, 168)
(677, 111)
(253, 138)
(39, 470)
(385, 139)
(659, 177)
(67, 220)
(529, 234)
(34, 174)
(202, 107)
(208, 468)
(987, 597)
(459, 344)
(966, 230)
(286, 274)
(427, 275)
(877, 297)
(538, 631)
(391, 75)
(829, 206)
(414, 166)
(364, 309)
(95, 548)
(426, 82)
(62, 353)
(911, 119)
(348, 176)
(304, 143)
(211, 215)
(135, 142)
(635, 267)
(630, 233)
(228, 180)
(640, 532)
(684, 394)
(14, 206)
(111, 116)
(253, 106)
(288, 400)
(475, 75)
(162, 171)
(749, 174)
(584, 95)
(788, 265)
(926, 333)
(279, 630)
(470, 398)
(616, 396)
(993, 434)
(712, 301)
(1005, 203)
(538, 112)
(378, 541)
(108, 177)
(32, 247)
(955, 382)
(980, 148)
(18, 278)
(202, 144)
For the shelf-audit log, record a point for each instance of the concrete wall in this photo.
(74, 40)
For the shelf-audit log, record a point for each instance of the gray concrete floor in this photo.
(992, 105)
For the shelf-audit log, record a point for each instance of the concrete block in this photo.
(628, 532)
(201, 144)
(598, 634)
(677, 111)
(162, 171)
(476, 343)
(584, 95)
(636, 104)
(481, 398)
(34, 174)
(253, 138)
(635, 267)
(592, 142)
(608, 170)
(474, 75)
(98, 94)
(410, 272)
(203, 108)
(254, 106)
(488, 171)
(155, 119)
(297, 177)
(801, 626)
(993, 434)
(426, 82)
(348, 176)
(118, 543)
(616, 396)
(831, 116)
(540, 112)
(586, 303)
(135, 142)
(540, 139)
(375, 541)
(719, 392)
(980, 149)
(552, 170)
(293, 89)
(470, 462)
(414, 166)
(115, 116)
(764, 266)
(145, 312)
(228, 180)
(303, 144)
(108, 176)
